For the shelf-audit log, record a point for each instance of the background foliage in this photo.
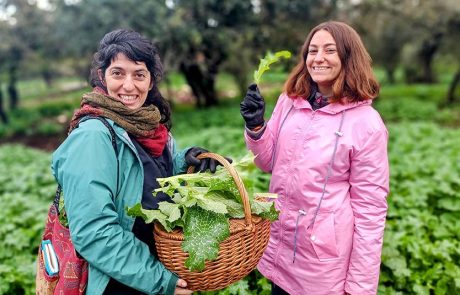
(202, 38)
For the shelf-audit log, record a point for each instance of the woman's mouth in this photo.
(128, 98)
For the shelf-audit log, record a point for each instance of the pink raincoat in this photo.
(340, 251)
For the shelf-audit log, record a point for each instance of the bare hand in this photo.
(180, 288)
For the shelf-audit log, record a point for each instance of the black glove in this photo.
(252, 108)
(203, 164)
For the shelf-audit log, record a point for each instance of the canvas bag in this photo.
(72, 277)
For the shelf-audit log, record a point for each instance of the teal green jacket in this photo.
(86, 168)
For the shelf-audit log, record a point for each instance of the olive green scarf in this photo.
(141, 122)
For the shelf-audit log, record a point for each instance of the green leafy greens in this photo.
(202, 205)
(269, 59)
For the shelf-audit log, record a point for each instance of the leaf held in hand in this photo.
(269, 59)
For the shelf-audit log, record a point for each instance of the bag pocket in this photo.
(73, 269)
(44, 284)
(323, 236)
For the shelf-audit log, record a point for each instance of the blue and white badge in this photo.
(49, 258)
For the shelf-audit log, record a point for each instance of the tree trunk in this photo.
(427, 75)
(169, 90)
(391, 75)
(452, 87)
(47, 76)
(427, 53)
(12, 90)
(202, 83)
(3, 115)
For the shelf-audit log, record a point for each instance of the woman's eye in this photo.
(140, 77)
(331, 50)
(312, 51)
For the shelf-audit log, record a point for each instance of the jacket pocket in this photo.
(323, 236)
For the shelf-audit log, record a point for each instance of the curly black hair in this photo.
(137, 48)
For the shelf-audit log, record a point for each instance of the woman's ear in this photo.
(151, 85)
(101, 76)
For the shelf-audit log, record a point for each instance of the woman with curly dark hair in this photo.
(100, 178)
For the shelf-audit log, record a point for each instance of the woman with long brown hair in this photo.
(326, 148)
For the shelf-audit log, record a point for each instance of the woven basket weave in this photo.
(238, 254)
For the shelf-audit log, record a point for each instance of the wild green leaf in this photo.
(241, 288)
(203, 232)
(171, 210)
(270, 58)
(234, 208)
(212, 205)
(265, 210)
(149, 215)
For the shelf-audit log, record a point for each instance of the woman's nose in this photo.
(319, 57)
(128, 83)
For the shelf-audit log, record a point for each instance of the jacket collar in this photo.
(333, 108)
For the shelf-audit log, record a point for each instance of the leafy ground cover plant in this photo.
(26, 190)
(421, 246)
(422, 236)
(202, 205)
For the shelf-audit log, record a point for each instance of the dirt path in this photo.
(46, 143)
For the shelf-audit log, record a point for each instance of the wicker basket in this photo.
(238, 254)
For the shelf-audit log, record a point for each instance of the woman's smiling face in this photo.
(323, 61)
(128, 81)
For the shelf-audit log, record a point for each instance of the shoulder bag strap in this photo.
(57, 196)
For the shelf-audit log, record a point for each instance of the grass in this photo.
(429, 92)
(34, 90)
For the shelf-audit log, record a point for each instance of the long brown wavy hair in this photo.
(356, 80)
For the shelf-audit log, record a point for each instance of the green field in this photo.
(422, 237)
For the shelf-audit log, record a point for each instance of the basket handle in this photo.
(239, 184)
